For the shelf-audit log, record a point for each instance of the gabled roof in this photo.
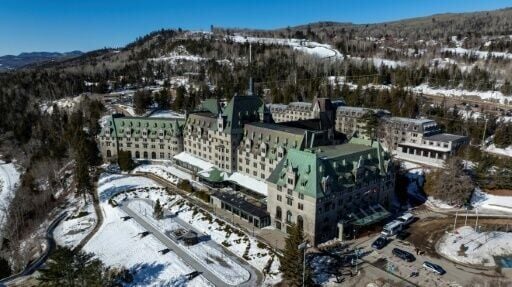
(241, 110)
(331, 168)
(119, 126)
(210, 105)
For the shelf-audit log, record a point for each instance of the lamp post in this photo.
(304, 246)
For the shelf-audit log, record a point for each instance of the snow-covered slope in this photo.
(9, 180)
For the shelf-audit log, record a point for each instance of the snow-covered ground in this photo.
(164, 170)
(482, 200)
(80, 222)
(118, 243)
(207, 253)
(478, 54)
(495, 96)
(180, 54)
(166, 114)
(9, 181)
(66, 104)
(499, 151)
(308, 47)
(129, 109)
(437, 203)
(237, 242)
(193, 160)
(465, 245)
(249, 182)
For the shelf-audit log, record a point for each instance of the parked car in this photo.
(392, 228)
(434, 267)
(404, 255)
(380, 242)
(406, 218)
(402, 235)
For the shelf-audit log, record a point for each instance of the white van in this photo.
(406, 218)
(392, 228)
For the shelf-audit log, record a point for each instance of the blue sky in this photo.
(65, 25)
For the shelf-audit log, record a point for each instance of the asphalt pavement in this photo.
(254, 279)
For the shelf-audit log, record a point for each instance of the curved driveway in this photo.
(255, 275)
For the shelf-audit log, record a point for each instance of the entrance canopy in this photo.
(369, 215)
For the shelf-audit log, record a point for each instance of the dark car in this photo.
(402, 235)
(404, 255)
(434, 267)
(380, 242)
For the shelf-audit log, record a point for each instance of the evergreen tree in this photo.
(141, 101)
(158, 211)
(5, 269)
(371, 124)
(82, 177)
(163, 99)
(179, 100)
(125, 161)
(293, 258)
(68, 268)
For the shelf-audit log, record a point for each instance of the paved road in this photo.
(455, 275)
(99, 219)
(210, 276)
(35, 265)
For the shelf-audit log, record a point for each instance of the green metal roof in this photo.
(375, 215)
(242, 110)
(213, 175)
(119, 126)
(334, 167)
(210, 105)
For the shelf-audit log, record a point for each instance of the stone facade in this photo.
(144, 138)
(214, 134)
(350, 120)
(420, 140)
(317, 188)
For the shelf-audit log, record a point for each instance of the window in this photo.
(279, 213)
(301, 195)
(300, 206)
(289, 201)
(300, 222)
(279, 198)
(288, 217)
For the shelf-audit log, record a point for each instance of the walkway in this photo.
(254, 280)
(271, 236)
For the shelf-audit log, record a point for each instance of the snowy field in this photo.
(209, 255)
(118, 243)
(482, 200)
(9, 181)
(499, 151)
(479, 54)
(166, 114)
(80, 222)
(66, 104)
(164, 170)
(494, 96)
(141, 254)
(308, 47)
(471, 247)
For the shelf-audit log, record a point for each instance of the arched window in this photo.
(153, 155)
(288, 217)
(145, 154)
(109, 153)
(137, 154)
(279, 213)
(300, 222)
